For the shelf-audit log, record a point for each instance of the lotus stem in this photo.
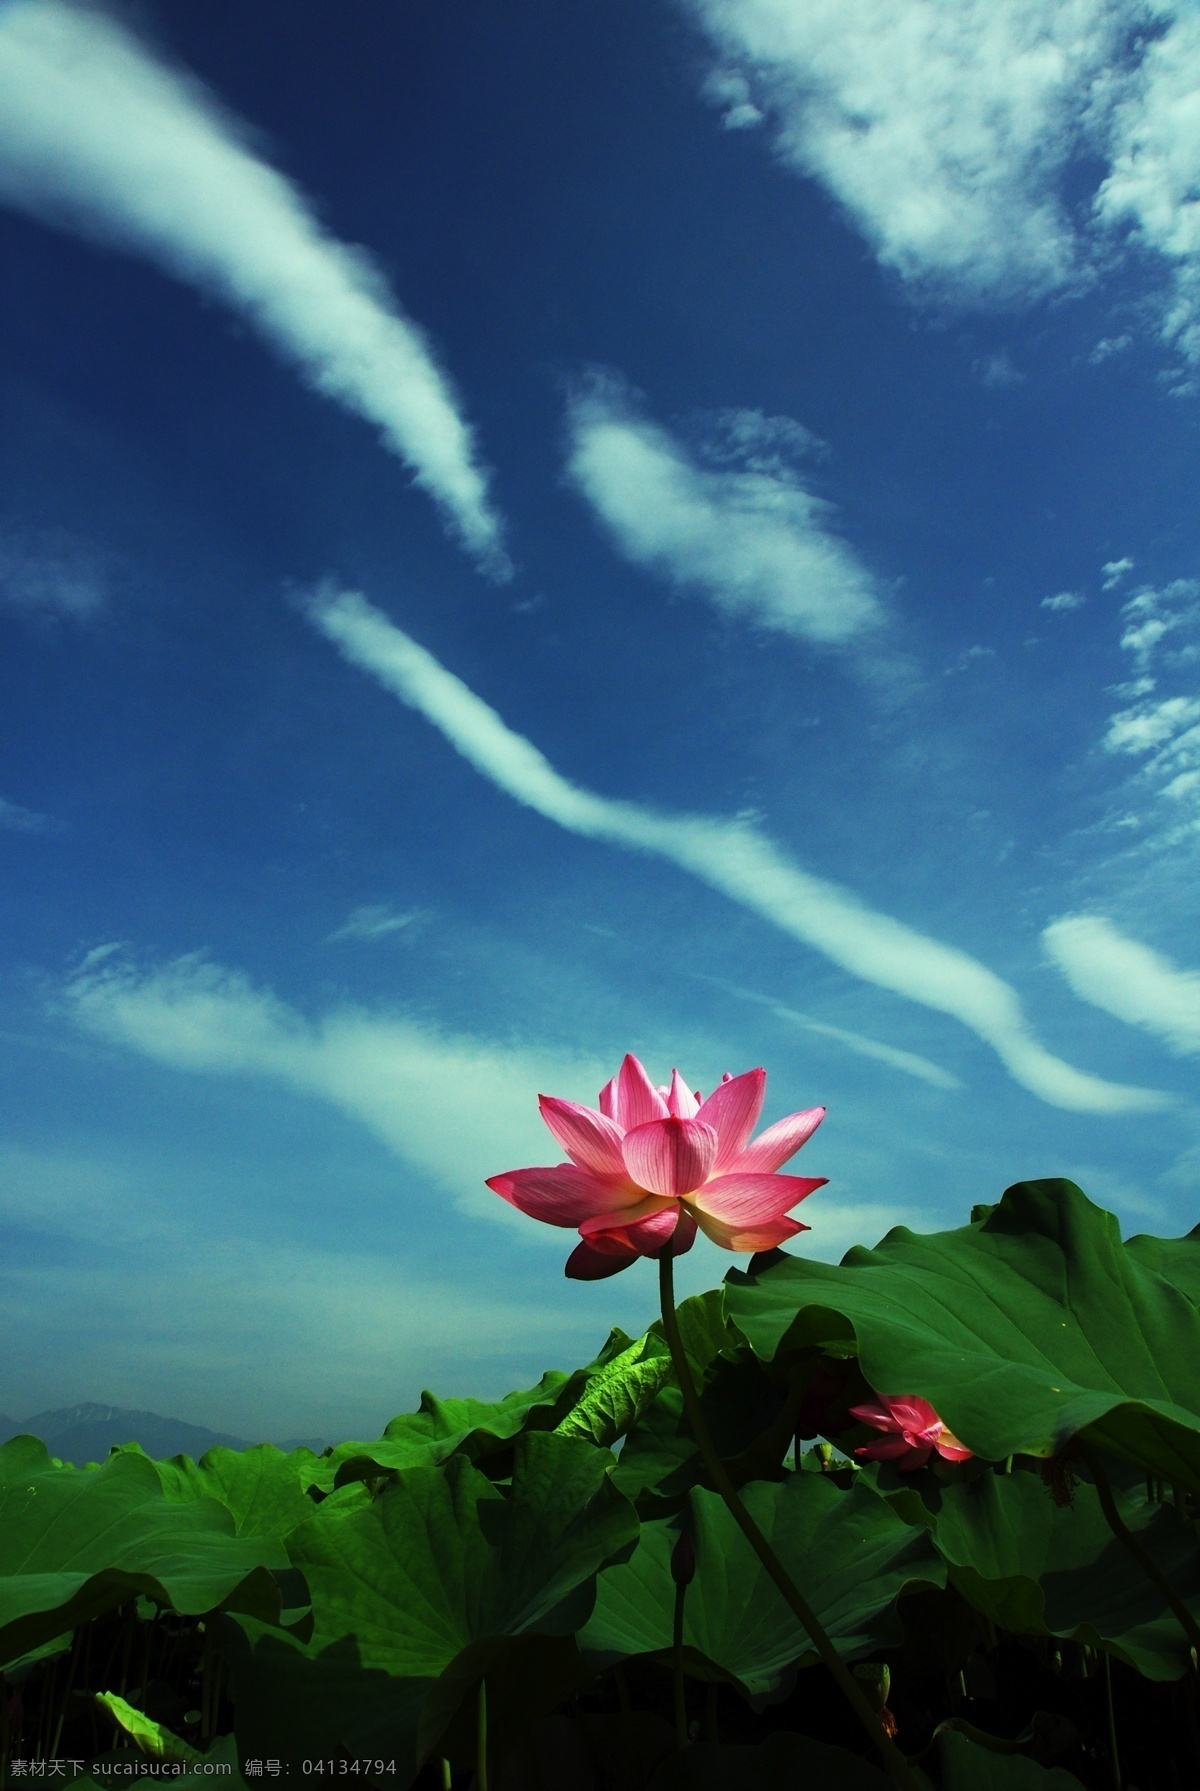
(76, 1650)
(893, 1760)
(681, 1725)
(481, 1771)
(1144, 1560)
(1112, 1724)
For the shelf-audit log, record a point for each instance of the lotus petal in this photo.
(732, 1109)
(681, 1102)
(586, 1263)
(647, 1206)
(732, 1236)
(637, 1099)
(749, 1199)
(773, 1147)
(670, 1156)
(592, 1141)
(563, 1195)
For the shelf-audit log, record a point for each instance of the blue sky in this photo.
(535, 532)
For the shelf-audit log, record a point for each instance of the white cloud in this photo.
(1106, 348)
(731, 92)
(99, 136)
(49, 575)
(970, 656)
(909, 1062)
(1152, 187)
(15, 819)
(733, 857)
(1152, 725)
(998, 372)
(374, 920)
(750, 536)
(944, 130)
(1127, 979)
(1114, 571)
(1162, 634)
(1062, 601)
(458, 1108)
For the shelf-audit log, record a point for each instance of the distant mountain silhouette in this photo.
(83, 1433)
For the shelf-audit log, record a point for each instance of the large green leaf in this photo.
(748, 1419)
(295, 1702)
(1035, 1567)
(422, 1588)
(966, 1766)
(617, 1396)
(219, 1762)
(442, 1557)
(260, 1487)
(76, 1541)
(850, 1554)
(1025, 1328)
(441, 1428)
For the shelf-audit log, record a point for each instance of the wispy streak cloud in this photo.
(750, 535)
(1127, 979)
(733, 857)
(98, 135)
(911, 1063)
(401, 1078)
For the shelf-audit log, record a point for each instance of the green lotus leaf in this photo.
(219, 1762)
(441, 1428)
(968, 1765)
(705, 1329)
(425, 1584)
(750, 1421)
(260, 1487)
(1032, 1325)
(1177, 1260)
(75, 1542)
(850, 1554)
(1035, 1567)
(443, 1558)
(618, 1395)
(295, 1702)
(151, 1737)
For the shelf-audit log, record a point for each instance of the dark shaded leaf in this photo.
(1032, 1325)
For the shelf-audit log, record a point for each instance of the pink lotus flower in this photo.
(654, 1163)
(914, 1432)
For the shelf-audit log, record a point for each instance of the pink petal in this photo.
(589, 1139)
(765, 1236)
(913, 1411)
(681, 1102)
(670, 1156)
(651, 1226)
(645, 1208)
(895, 1449)
(773, 1147)
(648, 1236)
(637, 1099)
(747, 1199)
(951, 1448)
(561, 1196)
(685, 1234)
(608, 1100)
(878, 1415)
(587, 1264)
(733, 1110)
